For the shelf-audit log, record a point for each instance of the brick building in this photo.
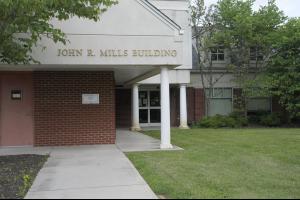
(127, 70)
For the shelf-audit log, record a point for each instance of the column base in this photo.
(166, 146)
(184, 127)
(136, 129)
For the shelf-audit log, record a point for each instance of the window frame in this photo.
(217, 51)
(149, 107)
(260, 98)
(225, 98)
(255, 54)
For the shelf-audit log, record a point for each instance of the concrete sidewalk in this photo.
(94, 172)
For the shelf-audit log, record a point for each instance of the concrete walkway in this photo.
(10, 151)
(89, 172)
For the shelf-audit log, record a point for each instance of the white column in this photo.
(183, 108)
(165, 109)
(135, 108)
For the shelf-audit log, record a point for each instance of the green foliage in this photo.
(219, 121)
(237, 27)
(24, 22)
(282, 77)
(234, 25)
(27, 182)
(271, 120)
(240, 119)
(240, 29)
(254, 118)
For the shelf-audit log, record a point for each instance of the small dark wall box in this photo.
(16, 94)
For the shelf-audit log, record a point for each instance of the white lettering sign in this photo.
(90, 99)
(116, 53)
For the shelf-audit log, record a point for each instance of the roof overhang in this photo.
(133, 39)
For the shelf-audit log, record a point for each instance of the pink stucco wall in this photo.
(16, 117)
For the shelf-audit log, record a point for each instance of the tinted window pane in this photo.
(221, 57)
(259, 104)
(214, 57)
(218, 93)
(220, 107)
(260, 57)
(143, 99)
(155, 98)
(155, 115)
(222, 93)
(143, 116)
(209, 93)
(227, 93)
(256, 54)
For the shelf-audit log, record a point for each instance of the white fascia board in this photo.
(171, 5)
(161, 15)
(175, 77)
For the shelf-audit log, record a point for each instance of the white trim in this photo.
(135, 108)
(183, 107)
(165, 109)
(161, 16)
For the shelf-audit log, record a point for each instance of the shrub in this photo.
(270, 120)
(254, 117)
(240, 119)
(219, 121)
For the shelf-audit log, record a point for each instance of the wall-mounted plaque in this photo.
(93, 99)
(16, 94)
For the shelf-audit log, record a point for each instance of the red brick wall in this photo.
(175, 106)
(196, 104)
(123, 108)
(60, 117)
(191, 105)
(199, 104)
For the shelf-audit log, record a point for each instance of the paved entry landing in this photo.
(89, 172)
(129, 141)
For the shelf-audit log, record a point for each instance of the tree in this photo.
(282, 76)
(203, 28)
(24, 22)
(241, 29)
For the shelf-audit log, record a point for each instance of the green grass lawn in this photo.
(225, 163)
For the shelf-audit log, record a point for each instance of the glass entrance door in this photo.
(149, 103)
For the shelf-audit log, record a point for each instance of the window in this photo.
(217, 54)
(259, 104)
(256, 54)
(220, 101)
(149, 103)
(220, 93)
